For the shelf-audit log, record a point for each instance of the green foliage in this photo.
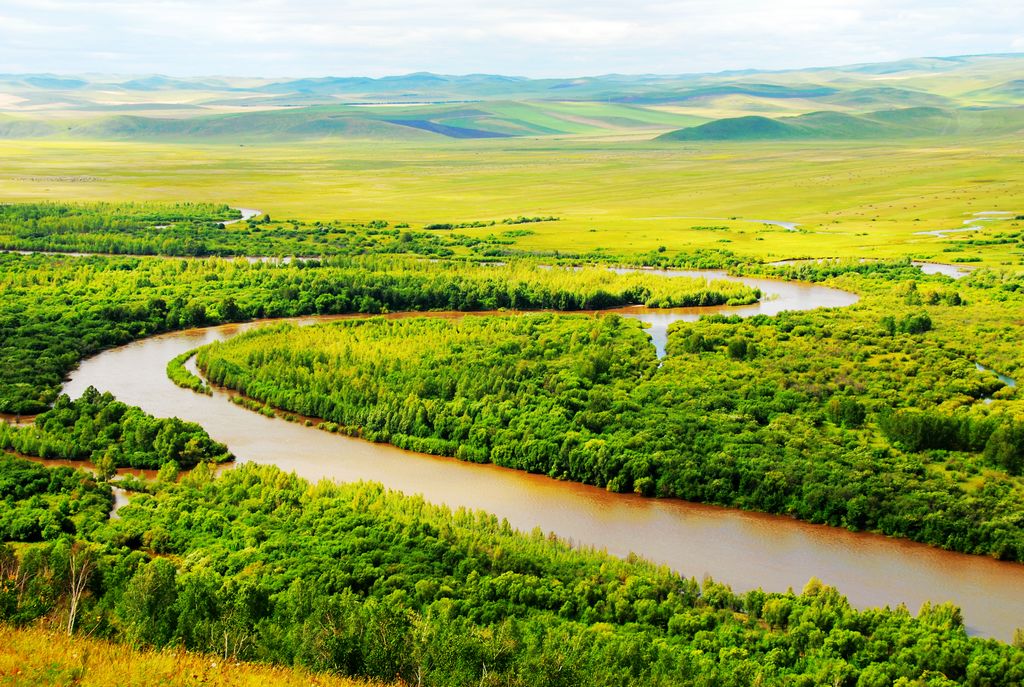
(180, 375)
(788, 414)
(919, 429)
(893, 271)
(111, 434)
(57, 310)
(144, 228)
(39, 504)
(917, 323)
(30, 219)
(147, 606)
(1005, 447)
(200, 230)
(261, 565)
(500, 389)
(846, 412)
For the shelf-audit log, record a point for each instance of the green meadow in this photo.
(861, 157)
(853, 198)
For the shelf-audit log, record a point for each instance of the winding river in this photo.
(743, 549)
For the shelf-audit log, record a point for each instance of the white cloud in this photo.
(532, 37)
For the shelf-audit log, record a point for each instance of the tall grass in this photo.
(34, 656)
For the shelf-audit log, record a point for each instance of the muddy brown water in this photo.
(745, 550)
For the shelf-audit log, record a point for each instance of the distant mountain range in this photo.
(927, 96)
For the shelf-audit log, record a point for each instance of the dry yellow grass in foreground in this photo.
(31, 657)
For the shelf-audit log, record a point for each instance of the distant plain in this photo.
(895, 150)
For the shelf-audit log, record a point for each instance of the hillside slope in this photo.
(883, 124)
(31, 657)
(424, 106)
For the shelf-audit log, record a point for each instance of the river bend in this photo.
(745, 550)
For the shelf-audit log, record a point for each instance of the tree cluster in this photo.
(111, 434)
(57, 310)
(39, 504)
(261, 565)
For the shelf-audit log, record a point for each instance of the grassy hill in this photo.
(33, 657)
(424, 106)
(917, 78)
(502, 119)
(884, 124)
(21, 127)
(290, 124)
(736, 129)
(876, 97)
(497, 119)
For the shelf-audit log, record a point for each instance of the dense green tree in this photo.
(111, 434)
(57, 310)
(148, 607)
(39, 504)
(735, 415)
(361, 581)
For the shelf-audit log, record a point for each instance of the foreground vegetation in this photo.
(260, 565)
(34, 657)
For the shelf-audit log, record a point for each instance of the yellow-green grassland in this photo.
(36, 657)
(849, 199)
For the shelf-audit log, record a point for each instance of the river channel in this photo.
(745, 550)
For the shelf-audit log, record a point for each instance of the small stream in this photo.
(1008, 381)
(975, 223)
(776, 296)
(121, 495)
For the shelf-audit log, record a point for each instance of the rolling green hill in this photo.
(875, 97)
(1007, 92)
(924, 96)
(735, 129)
(507, 119)
(884, 124)
(20, 127)
(304, 123)
(478, 120)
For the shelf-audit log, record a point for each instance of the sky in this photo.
(537, 38)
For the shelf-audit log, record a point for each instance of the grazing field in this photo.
(865, 199)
